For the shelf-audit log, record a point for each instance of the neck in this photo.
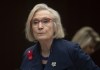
(45, 47)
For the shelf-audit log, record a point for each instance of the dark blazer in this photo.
(64, 55)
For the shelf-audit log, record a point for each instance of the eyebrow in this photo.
(42, 18)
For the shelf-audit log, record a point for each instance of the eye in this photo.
(35, 22)
(46, 20)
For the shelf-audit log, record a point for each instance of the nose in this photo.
(40, 25)
(93, 50)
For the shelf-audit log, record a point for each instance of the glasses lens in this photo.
(45, 20)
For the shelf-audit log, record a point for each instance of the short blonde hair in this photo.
(86, 36)
(59, 32)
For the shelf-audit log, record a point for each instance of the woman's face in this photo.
(42, 25)
(90, 49)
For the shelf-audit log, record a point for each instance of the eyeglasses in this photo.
(44, 21)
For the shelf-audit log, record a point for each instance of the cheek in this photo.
(89, 50)
(51, 30)
(33, 29)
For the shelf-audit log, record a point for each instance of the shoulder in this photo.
(28, 49)
(68, 48)
(80, 59)
(66, 45)
(71, 49)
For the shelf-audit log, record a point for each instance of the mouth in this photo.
(40, 33)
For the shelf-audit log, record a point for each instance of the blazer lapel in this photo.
(36, 62)
(49, 65)
(58, 60)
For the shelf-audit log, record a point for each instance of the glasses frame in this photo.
(44, 21)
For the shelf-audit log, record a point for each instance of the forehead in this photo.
(42, 13)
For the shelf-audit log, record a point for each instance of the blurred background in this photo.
(13, 15)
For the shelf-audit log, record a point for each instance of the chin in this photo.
(42, 38)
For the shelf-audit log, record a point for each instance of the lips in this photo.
(41, 33)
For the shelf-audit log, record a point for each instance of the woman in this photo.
(88, 39)
(51, 52)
